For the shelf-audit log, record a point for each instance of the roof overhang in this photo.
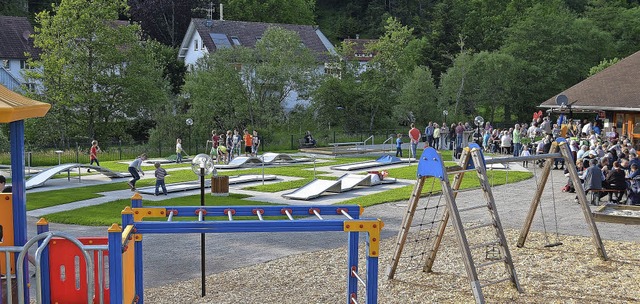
(14, 107)
(590, 109)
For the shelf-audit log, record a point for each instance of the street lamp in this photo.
(202, 165)
(479, 121)
(445, 113)
(189, 124)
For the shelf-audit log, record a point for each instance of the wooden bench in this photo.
(595, 194)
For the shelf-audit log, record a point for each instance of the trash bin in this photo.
(220, 185)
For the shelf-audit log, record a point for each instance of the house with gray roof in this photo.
(613, 93)
(205, 36)
(16, 46)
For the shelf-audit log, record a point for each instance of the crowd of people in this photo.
(225, 146)
(605, 160)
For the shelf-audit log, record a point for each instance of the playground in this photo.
(301, 251)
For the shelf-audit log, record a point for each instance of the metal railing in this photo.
(45, 238)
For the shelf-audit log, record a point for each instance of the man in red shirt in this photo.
(414, 136)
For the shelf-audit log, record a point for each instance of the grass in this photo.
(109, 213)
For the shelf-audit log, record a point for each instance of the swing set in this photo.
(480, 237)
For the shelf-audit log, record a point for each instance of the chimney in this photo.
(221, 13)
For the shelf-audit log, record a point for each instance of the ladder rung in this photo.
(473, 208)
(479, 226)
(490, 263)
(495, 282)
(496, 242)
(460, 171)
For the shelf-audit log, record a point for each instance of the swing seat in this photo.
(556, 244)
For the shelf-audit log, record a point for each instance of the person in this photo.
(525, 152)
(135, 170)
(414, 138)
(229, 146)
(436, 136)
(255, 144)
(3, 185)
(459, 134)
(517, 140)
(308, 139)
(93, 154)
(428, 133)
(452, 136)
(160, 174)
(615, 180)
(444, 136)
(633, 171)
(179, 151)
(593, 177)
(223, 157)
(399, 145)
(248, 142)
(237, 143)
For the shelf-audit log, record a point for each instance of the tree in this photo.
(397, 53)
(418, 98)
(96, 73)
(165, 20)
(555, 50)
(273, 11)
(602, 65)
(242, 87)
(453, 85)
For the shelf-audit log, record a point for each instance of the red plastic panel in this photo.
(68, 271)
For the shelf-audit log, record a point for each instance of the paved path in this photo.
(170, 258)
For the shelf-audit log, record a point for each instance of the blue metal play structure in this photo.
(125, 257)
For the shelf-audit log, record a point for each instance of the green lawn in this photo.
(109, 213)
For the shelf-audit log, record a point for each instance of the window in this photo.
(195, 45)
(220, 40)
(5, 64)
(235, 40)
(24, 65)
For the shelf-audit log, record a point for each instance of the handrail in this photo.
(364, 143)
(390, 141)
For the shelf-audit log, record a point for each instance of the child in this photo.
(160, 174)
(633, 173)
(256, 143)
(93, 154)
(179, 151)
(399, 145)
(248, 143)
(229, 146)
(134, 169)
(222, 154)
(237, 142)
(525, 152)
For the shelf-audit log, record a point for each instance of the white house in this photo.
(15, 44)
(206, 36)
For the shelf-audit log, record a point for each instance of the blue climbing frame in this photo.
(349, 222)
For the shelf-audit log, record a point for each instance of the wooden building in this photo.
(613, 94)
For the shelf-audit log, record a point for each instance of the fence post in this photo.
(120, 148)
(291, 141)
(334, 136)
(77, 152)
(159, 148)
